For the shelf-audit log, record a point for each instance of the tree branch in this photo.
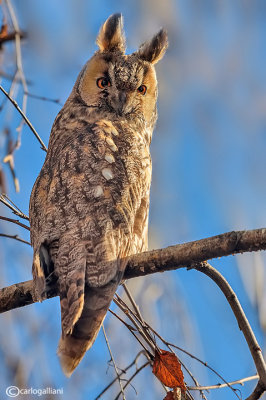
(174, 257)
(225, 385)
(241, 318)
(187, 254)
(258, 391)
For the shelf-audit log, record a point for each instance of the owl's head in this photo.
(124, 85)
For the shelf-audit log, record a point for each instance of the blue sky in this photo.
(209, 164)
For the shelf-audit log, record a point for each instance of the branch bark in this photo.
(174, 257)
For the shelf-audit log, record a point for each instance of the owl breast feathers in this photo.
(89, 205)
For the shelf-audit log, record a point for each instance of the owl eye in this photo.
(142, 89)
(103, 82)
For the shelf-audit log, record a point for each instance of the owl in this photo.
(89, 205)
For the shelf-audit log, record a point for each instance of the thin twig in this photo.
(10, 78)
(130, 328)
(120, 374)
(224, 385)
(19, 65)
(15, 104)
(43, 98)
(9, 158)
(16, 237)
(132, 377)
(15, 221)
(14, 80)
(138, 322)
(9, 203)
(113, 361)
(138, 314)
(134, 319)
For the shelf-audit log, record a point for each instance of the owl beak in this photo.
(122, 102)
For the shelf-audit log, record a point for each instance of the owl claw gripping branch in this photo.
(89, 205)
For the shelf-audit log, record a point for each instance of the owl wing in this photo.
(88, 210)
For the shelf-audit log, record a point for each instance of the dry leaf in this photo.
(3, 31)
(169, 396)
(167, 369)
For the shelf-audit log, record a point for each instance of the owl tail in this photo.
(73, 346)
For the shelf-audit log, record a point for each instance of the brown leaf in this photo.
(3, 31)
(167, 369)
(169, 396)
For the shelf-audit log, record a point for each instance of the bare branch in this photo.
(15, 221)
(241, 318)
(187, 254)
(15, 104)
(136, 322)
(224, 385)
(174, 257)
(114, 364)
(20, 292)
(16, 237)
(43, 98)
(258, 391)
(133, 376)
(124, 371)
(19, 64)
(12, 206)
(132, 330)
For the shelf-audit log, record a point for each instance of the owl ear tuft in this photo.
(153, 50)
(111, 36)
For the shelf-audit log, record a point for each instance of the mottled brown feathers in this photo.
(154, 49)
(111, 36)
(89, 205)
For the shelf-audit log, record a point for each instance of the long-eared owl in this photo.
(89, 205)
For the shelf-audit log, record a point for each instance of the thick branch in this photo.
(187, 254)
(173, 257)
(258, 391)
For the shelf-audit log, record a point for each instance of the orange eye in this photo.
(103, 82)
(142, 89)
